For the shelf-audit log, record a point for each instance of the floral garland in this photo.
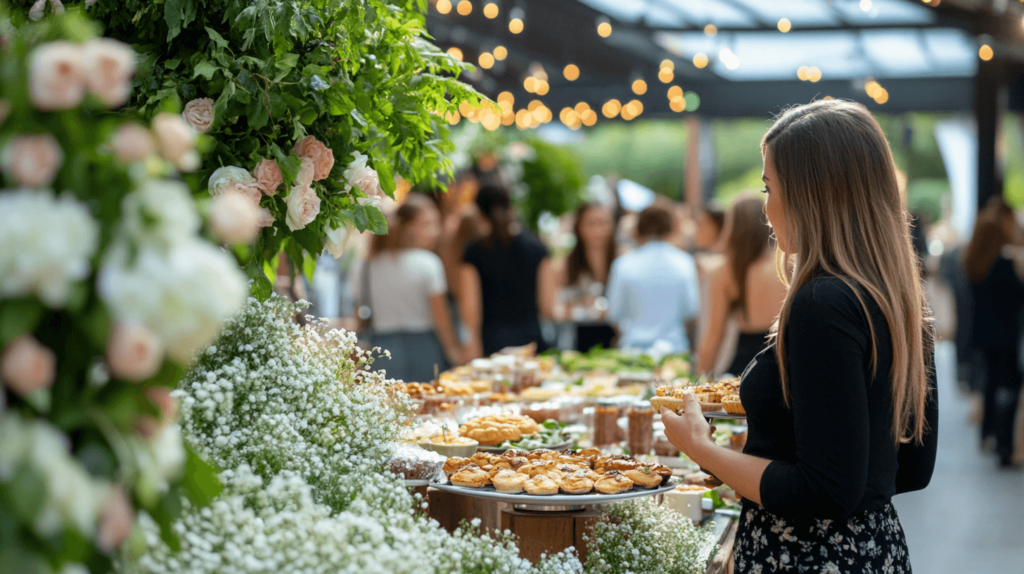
(107, 287)
(316, 108)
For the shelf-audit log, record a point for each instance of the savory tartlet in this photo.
(471, 476)
(454, 463)
(577, 483)
(644, 477)
(541, 485)
(613, 482)
(509, 481)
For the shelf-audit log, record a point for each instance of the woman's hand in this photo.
(688, 432)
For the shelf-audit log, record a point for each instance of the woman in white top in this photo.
(405, 288)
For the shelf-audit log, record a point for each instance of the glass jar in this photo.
(606, 424)
(640, 437)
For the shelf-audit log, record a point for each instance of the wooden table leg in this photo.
(450, 509)
(549, 532)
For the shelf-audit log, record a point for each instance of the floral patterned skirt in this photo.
(866, 543)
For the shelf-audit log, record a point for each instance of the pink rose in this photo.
(134, 353)
(264, 218)
(132, 142)
(109, 66)
(27, 366)
(237, 180)
(268, 176)
(306, 173)
(303, 207)
(177, 141)
(234, 218)
(116, 520)
(199, 114)
(323, 158)
(33, 160)
(162, 398)
(56, 76)
(5, 108)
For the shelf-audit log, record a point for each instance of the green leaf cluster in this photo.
(359, 75)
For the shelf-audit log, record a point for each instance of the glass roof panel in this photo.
(799, 12)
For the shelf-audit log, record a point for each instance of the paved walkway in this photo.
(970, 520)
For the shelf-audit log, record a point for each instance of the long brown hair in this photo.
(837, 183)
(398, 223)
(989, 237)
(577, 261)
(749, 239)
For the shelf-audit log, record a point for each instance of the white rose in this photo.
(37, 10)
(234, 218)
(303, 207)
(306, 173)
(177, 141)
(336, 240)
(109, 66)
(134, 353)
(199, 114)
(47, 245)
(33, 160)
(160, 212)
(26, 366)
(358, 174)
(132, 142)
(235, 179)
(56, 76)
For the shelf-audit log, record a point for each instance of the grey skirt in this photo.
(413, 355)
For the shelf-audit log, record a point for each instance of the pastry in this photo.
(732, 404)
(498, 467)
(514, 453)
(577, 483)
(588, 453)
(517, 463)
(541, 485)
(481, 459)
(613, 482)
(509, 481)
(620, 463)
(644, 477)
(670, 403)
(455, 463)
(471, 476)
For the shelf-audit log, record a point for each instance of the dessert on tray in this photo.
(709, 395)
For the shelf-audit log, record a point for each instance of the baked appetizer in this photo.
(644, 477)
(471, 476)
(577, 483)
(732, 404)
(613, 482)
(481, 459)
(541, 485)
(454, 463)
(509, 481)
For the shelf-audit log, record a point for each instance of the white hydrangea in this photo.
(34, 449)
(648, 538)
(47, 244)
(160, 212)
(182, 294)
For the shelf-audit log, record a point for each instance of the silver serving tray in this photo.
(501, 449)
(555, 501)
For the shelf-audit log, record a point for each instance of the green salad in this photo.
(610, 360)
(550, 435)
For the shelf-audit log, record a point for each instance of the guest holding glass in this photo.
(584, 274)
(746, 288)
(653, 291)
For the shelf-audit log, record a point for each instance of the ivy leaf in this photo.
(172, 63)
(200, 483)
(360, 218)
(289, 164)
(217, 38)
(20, 316)
(338, 100)
(205, 69)
(257, 112)
(173, 14)
(309, 241)
(286, 63)
(378, 224)
(261, 286)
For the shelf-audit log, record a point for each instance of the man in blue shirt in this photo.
(653, 291)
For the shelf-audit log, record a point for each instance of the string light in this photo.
(611, 108)
(444, 6)
(455, 53)
(727, 57)
(491, 11)
(985, 52)
(815, 75)
(534, 104)
(542, 87)
(506, 97)
(465, 7)
(700, 59)
(865, 5)
(604, 27)
(571, 72)
(883, 96)
(466, 108)
(589, 118)
(678, 104)
(667, 64)
(530, 84)
(515, 25)
(785, 25)
(692, 101)
(452, 117)
(508, 117)
(675, 92)
(500, 53)
(710, 30)
(581, 107)
(666, 76)
(639, 87)
(804, 72)
(486, 60)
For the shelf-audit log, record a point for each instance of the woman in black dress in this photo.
(841, 407)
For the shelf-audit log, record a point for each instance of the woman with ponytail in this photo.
(841, 406)
(507, 281)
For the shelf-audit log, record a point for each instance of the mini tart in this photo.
(710, 407)
(587, 453)
(577, 483)
(498, 467)
(471, 476)
(509, 481)
(541, 485)
(613, 482)
(670, 403)
(481, 459)
(732, 405)
(454, 463)
(644, 477)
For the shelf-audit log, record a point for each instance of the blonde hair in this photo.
(840, 195)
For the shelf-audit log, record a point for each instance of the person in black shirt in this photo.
(507, 281)
(995, 329)
(842, 409)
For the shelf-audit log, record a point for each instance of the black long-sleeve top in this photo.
(832, 449)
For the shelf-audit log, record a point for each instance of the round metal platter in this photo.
(553, 502)
(501, 449)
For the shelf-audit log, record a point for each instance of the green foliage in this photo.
(554, 182)
(359, 75)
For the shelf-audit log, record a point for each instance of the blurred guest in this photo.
(709, 227)
(460, 224)
(707, 247)
(746, 287)
(998, 302)
(585, 273)
(653, 292)
(404, 286)
(506, 281)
